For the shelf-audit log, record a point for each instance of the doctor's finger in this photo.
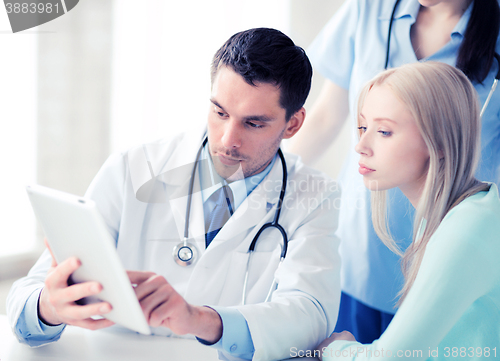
(91, 324)
(74, 312)
(153, 302)
(150, 286)
(78, 291)
(138, 277)
(174, 313)
(58, 278)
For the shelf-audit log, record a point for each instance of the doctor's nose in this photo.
(232, 135)
(363, 146)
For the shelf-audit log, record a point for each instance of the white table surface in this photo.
(77, 344)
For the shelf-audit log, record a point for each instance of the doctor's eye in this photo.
(254, 125)
(221, 114)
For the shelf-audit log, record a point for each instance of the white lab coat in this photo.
(142, 195)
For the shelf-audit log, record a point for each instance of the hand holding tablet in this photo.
(86, 259)
(59, 303)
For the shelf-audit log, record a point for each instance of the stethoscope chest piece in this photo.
(185, 253)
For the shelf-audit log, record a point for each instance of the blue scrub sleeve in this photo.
(236, 339)
(332, 51)
(33, 331)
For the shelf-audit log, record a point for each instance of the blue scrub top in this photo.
(349, 51)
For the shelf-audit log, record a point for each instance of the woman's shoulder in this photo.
(468, 239)
(476, 217)
(484, 204)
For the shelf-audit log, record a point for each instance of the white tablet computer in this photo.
(74, 227)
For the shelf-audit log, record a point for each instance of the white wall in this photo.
(17, 136)
(161, 60)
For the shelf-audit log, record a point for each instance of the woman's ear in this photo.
(295, 123)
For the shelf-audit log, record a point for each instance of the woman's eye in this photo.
(385, 133)
(363, 129)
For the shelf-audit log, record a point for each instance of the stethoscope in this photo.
(497, 57)
(185, 253)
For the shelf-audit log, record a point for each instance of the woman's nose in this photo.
(363, 146)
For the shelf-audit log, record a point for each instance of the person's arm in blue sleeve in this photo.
(236, 339)
(332, 54)
(31, 330)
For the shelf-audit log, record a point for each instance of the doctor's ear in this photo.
(295, 123)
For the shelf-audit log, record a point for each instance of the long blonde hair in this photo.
(445, 107)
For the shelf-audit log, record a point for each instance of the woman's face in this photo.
(392, 151)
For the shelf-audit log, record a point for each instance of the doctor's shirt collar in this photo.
(210, 181)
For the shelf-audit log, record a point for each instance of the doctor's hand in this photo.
(163, 306)
(56, 304)
(336, 336)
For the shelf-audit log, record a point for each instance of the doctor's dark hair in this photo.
(264, 55)
(476, 54)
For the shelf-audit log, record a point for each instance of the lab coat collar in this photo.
(181, 162)
(155, 164)
(161, 171)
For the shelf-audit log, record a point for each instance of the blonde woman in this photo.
(419, 130)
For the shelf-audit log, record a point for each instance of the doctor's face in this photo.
(392, 150)
(246, 124)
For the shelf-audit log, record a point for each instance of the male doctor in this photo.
(260, 81)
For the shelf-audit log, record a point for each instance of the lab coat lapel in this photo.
(196, 227)
(177, 174)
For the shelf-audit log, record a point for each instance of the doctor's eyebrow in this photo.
(255, 118)
(214, 102)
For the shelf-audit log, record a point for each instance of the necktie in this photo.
(220, 214)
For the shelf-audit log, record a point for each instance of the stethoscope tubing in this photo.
(493, 87)
(191, 187)
(273, 224)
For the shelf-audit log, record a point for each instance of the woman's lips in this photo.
(364, 170)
